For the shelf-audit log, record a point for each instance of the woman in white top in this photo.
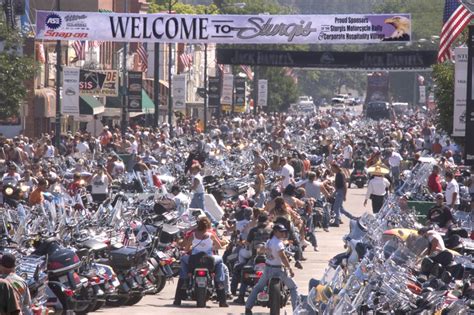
(377, 189)
(100, 185)
(202, 240)
(197, 187)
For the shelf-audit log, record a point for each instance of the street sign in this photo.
(214, 91)
(135, 85)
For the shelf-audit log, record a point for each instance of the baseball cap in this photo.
(279, 228)
(8, 261)
(439, 195)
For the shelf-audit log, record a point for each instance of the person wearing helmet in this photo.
(276, 265)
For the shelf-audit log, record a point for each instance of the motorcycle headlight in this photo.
(9, 191)
(24, 188)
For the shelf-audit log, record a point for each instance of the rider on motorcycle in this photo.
(275, 261)
(202, 240)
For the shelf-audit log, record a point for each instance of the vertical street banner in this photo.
(214, 94)
(262, 93)
(460, 91)
(70, 100)
(239, 101)
(422, 95)
(135, 85)
(469, 141)
(227, 92)
(179, 92)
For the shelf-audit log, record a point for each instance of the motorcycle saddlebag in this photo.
(127, 257)
(62, 261)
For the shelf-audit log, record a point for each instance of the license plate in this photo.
(263, 297)
(201, 282)
(64, 279)
(116, 283)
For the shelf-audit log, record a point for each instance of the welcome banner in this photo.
(225, 29)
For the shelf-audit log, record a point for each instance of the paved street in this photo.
(330, 244)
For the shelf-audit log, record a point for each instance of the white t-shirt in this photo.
(133, 149)
(272, 251)
(13, 179)
(49, 152)
(348, 152)
(100, 184)
(287, 172)
(82, 148)
(200, 187)
(119, 168)
(452, 187)
(395, 159)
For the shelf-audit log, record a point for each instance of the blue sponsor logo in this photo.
(53, 21)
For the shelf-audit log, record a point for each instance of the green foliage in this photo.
(182, 8)
(443, 76)
(14, 71)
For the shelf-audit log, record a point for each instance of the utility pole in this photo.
(57, 132)
(170, 89)
(156, 85)
(124, 81)
(255, 90)
(205, 88)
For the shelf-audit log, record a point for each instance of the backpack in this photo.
(261, 236)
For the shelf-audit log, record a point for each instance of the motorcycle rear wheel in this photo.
(112, 302)
(134, 299)
(274, 297)
(160, 284)
(201, 297)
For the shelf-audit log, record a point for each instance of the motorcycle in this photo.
(72, 290)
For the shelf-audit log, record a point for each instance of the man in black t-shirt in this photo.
(440, 214)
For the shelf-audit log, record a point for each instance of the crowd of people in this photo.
(285, 209)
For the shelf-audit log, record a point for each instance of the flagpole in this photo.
(156, 84)
(205, 88)
(124, 82)
(58, 87)
(170, 83)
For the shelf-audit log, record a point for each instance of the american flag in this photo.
(80, 50)
(186, 59)
(456, 17)
(248, 71)
(95, 43)
(41, 56)
(143, 55)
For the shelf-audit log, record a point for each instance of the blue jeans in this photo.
(338, 207)
(197, 202)
(260, 199)
(310, 225)
(269, 273)
(218, 265)
(395, 175)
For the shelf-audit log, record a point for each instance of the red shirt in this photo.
(434, 183)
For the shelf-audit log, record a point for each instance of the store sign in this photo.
(330, 59)
(214, 94)
(460, 91)
(99, 83)
(70, 98)
(135, 86)
(225, 29)
(179, 92)
(262, 93)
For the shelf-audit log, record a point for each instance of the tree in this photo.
(15, 69)
(443, 77)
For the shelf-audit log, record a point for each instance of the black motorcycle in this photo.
(63, 264)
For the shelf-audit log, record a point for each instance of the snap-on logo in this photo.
(53, 21)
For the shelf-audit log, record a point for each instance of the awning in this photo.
(148, 106)
(164, 83)
(45, 103)
(89, 105)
